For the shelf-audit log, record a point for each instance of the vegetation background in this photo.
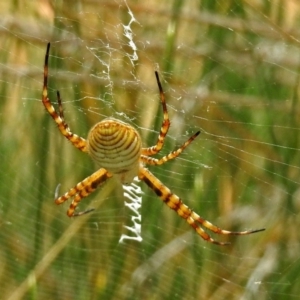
(230, 69)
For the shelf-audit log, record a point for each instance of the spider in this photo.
(117, 148)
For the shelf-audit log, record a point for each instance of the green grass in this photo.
(229, 69)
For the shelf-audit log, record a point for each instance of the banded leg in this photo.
(82, 190)
(76, 140)
(165, 124)
(175, 203)
(153, 161)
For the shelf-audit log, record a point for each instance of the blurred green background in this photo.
(228, 68)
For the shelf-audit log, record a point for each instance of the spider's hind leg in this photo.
(193, 219)
(82, 190)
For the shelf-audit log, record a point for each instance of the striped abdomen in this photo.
(115, 146)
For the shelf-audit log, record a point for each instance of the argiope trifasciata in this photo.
(117, 148)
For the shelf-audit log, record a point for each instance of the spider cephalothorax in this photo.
(117, 149)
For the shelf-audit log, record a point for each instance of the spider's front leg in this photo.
(77, 141)
(165, 124)
(175, 203)
(82, 190)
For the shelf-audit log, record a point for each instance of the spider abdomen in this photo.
(115, 146)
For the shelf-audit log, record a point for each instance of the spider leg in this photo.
(165, 124)
(60, 109)
(175, 203)
(76, 140)
(172, 155)
(82, 190)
